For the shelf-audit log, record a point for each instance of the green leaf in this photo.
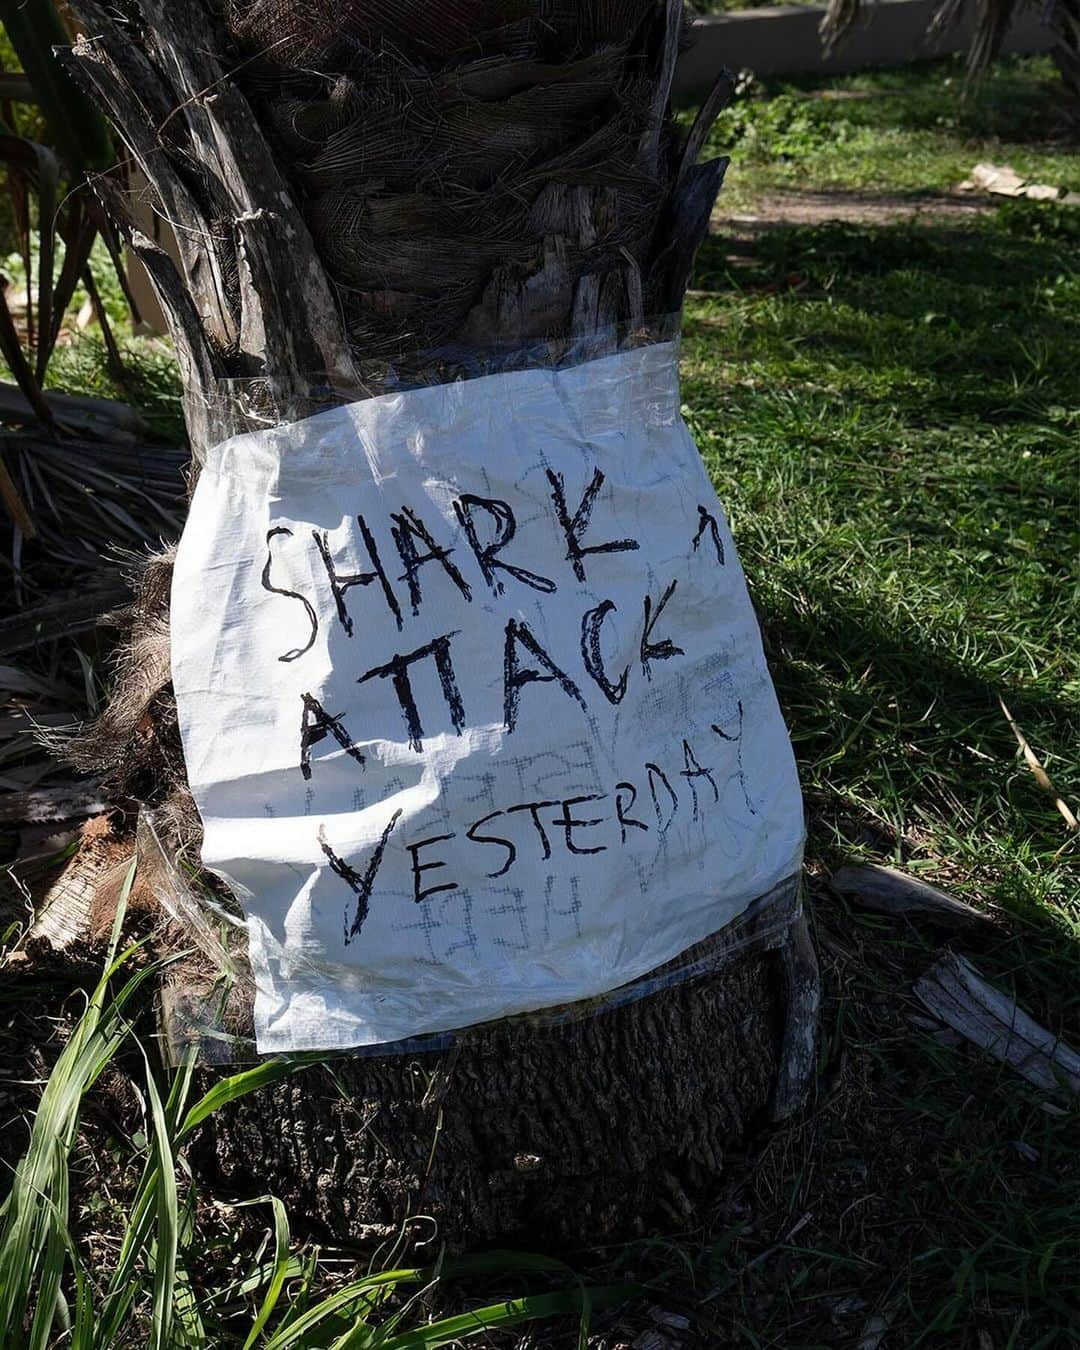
(365, 1290)
(168, 1222)
(39, 1192)
(240, 1084)
(511, 1313)
(281, 1268)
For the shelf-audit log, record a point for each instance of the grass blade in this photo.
(124, 1285)
(365, 1290)
(511, 1313)
(280, 1272)
(240, 1084)
(39, 1189)
(168, 1221)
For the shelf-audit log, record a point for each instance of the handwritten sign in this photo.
(473, 701)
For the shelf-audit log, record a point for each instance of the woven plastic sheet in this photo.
(474, 710)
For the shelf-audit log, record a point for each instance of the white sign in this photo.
(473, 701)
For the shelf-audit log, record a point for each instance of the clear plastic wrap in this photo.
(474, 708)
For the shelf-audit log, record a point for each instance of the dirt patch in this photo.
(776, 209)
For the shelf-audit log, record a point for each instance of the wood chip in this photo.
(956, 994)
(85, 895)
(889, 891)
(1001, 179)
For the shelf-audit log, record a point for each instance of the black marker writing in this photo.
(515, 677)
(665, 649)
(708, 522)
(575, 526)
(591, 654)
(569, 822)
(694, 770)
(534, 808)
(341, 583)
(654, 771)
(418, 868)
(293, 595)
(408, 528)
(737, 740)
(473, 833)
(505, 529)
(398, 671)
(315, 724)
(621, 809)
(360, 885)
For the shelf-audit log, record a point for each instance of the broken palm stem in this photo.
(956, 994)
(886, 890)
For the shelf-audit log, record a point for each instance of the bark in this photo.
(362, 190)
(1065, 20)
(570, 1133)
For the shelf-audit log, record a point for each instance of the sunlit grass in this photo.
(892, 417)
(913, 130)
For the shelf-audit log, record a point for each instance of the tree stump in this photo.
(546, 1133)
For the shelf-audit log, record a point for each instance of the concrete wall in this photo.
(784, 40)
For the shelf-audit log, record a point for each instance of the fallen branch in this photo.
(104, 418)
(63, 615)
(956, 994)
(888, 891)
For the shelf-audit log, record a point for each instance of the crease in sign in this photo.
(508, 740)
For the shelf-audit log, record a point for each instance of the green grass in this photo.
(151, 381)
(891, 414)
(896, 437)
(914, 130)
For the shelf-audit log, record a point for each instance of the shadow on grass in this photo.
(914, 385)
(877, 712)
(981, 313)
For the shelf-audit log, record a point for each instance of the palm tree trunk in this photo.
(1065, 17)
(378, 186)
